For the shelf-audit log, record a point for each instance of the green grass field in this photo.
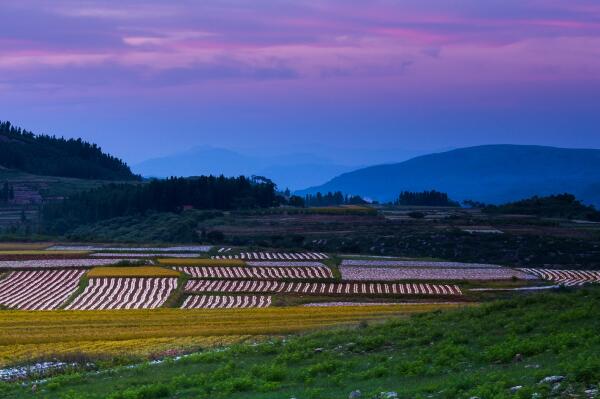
(479, 351)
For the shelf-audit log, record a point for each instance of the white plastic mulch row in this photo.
(124, 293)
(416, 263)
(193, 248)
(320, 288)
(283, 263)
(275, 256)
(56, 263)
(226, 302)
(369, 273)
(264, 273)
(566, 277)
(38, 290)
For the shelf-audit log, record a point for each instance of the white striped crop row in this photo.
(264, 273)
(124, 293)
(275, 256)
(416, 263)
(221, 250)
(282, 263)
(192, 248)
(369, 273)
(566, 277)
(320, 288)
(226, 301)
(38, 290)
(56, 263)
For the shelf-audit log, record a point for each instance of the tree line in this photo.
(169, 195)
(425, 198)
(332, 199)
(54, 156)
(558, 206)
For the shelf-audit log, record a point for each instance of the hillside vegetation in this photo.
(499, 350)
(170, 195)
(554, 206)
(52, 156)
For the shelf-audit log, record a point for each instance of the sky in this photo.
(356, 81)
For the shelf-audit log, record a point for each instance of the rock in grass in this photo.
(518, 358)
(552, 379)
(591, 393)
(515, 388)
(354, 394)
(388, 395)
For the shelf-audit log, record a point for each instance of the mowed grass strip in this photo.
(25, 335)
(202, 262)
(131, 271)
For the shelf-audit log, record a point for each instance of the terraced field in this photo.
(258, 272)
(566, 277)
(38, 290)
(396, 289)
(226, 302)
(124, 293)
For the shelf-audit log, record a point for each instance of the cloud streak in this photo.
(331, 57)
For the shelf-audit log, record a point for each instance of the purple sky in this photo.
(330, 77)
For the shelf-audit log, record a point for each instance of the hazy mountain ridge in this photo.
(489, 173)
(287, 170)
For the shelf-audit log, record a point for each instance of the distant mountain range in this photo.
(490, 173)
(292, 171)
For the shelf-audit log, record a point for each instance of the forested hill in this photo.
(52, 156)
(493, 174)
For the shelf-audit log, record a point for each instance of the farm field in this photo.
(56, 263)
(150, 304)
(38, 290)
(195, 286)
(566, 277)
(124, 293)
(131, 271)
(258, 272)
(460, 353)
(226, 302)
(26, 335)
(370, 273)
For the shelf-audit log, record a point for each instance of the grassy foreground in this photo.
(137, 333)
(478, 351)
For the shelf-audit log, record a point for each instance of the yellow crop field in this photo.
(202, 262)
(29, 334)
(132, 271)
(40, 252)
